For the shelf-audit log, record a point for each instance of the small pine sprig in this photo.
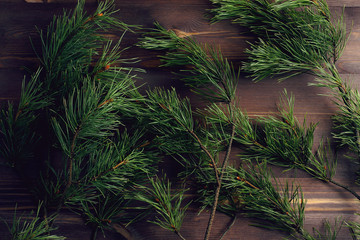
(74, 38)
(346, 99)
(33, 227)
(331, 231)
(121, 164)
(283, 141)
(168, 205)
(17, 123)
(208, 66)
(108, 209)
(114, 164)
(89, 119)
(354, 228)
(261, 199)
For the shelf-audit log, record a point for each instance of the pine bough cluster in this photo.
(97, 141)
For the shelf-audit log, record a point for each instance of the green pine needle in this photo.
(32, 227)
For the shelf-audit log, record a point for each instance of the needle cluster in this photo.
(294, 36)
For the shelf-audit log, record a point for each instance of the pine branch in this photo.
(284, 47)
(294, 36)
(168, 106)
(89, 118)
(209, 68)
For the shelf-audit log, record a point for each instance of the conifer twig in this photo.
(233, 220)
(218, 187)
(346, 188)
(214, 165)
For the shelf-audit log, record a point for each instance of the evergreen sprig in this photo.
(331, 232)
(260, 198)
(207, 65)
(31, 227)
(168, 204)
(107, 210)
(17, 123)
(75, 37)
(283, 141)
(354, 228)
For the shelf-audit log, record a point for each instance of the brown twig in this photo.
(180, 236)
(71, 157)
(346, 188)
(110, 169)
(228, 228)
(217, 191)
(209, 155)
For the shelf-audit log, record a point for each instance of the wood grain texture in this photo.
(324, 201)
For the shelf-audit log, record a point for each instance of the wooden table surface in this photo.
(17, 22)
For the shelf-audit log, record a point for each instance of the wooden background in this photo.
(17, 22)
